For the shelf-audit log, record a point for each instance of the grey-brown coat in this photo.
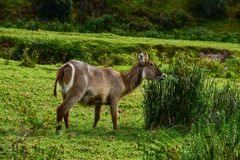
(89, 85)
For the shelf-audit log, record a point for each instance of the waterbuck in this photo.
(89, 85)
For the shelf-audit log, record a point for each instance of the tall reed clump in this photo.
(217, 134)
(211, 110)
(177, 100)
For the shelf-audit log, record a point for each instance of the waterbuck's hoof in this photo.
(58, 128)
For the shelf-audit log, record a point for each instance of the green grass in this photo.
(27, 121)
(28, 107)
(114, 40)
(103, 48)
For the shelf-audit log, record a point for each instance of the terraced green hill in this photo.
(109, 49)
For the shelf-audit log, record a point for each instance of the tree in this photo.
(209, 9)
(53, 9)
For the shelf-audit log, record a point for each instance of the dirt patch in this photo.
(221, 56)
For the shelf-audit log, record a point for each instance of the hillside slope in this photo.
(122, 17)
(109, 49)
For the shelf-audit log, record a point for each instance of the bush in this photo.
(139, 25)
(133, 28)
(214, 108)
(188, 34)
(217, 133)
(50, 51)
(29, 59)
(53, 9)
(207, 143)
(50, 26)
(100, 24)
(175, 19)
(58, 50)
(209, 9)
(176, 100)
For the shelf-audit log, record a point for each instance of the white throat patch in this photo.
(144, 74)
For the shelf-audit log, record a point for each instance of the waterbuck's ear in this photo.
(146, 57)
(141, 57)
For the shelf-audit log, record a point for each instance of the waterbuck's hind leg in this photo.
(114, 113)
(63, 110)
(66, 116)
(97, 114)
(60, 115)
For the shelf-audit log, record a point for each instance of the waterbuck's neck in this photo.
(132, 79)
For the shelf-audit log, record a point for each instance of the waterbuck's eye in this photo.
(151, 64)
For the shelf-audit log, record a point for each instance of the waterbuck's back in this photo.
(91, 85)
(98, 85)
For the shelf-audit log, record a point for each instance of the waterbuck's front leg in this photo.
(97, 114)
(114, 113)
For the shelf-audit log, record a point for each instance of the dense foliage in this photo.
(178, 100)
(53, 9)
(170, 19)
(189, 101)
(109, 49)
(217, 133)
(210, 9)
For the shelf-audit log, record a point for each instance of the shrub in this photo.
(217, 133)
(29, 59)
(209, 9)
(100, 24)
(214, 67)
(176, 100)
(233, 64)
(122, 59)
(140, 24)
(215, 108)
(226, 104)
(57, 50)
(207, 143)
(174, 19)
(6, 54)
(50, 51)
(53, 9)
(189, 34)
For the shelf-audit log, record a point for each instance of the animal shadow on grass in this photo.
(124, 133)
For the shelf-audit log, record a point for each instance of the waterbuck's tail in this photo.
(59, 76)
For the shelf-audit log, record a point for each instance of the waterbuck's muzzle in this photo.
(162, 76)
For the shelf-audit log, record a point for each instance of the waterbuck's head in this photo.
(149, 70)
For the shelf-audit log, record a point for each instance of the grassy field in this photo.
(111, 39)
(27, 121)
(28, 107)
(109, 49)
